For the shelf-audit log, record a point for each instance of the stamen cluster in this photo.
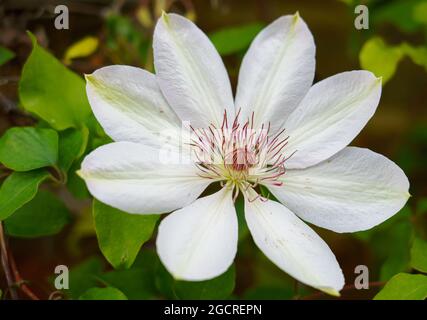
(239, 154)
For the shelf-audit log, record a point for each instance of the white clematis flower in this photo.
(281, 132)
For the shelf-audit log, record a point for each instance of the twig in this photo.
(5, 265)
(6, 104)
(20, 283)
(6, 80)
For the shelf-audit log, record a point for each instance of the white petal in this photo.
(293, 246)
(276, 72)
(129, 104)
(354, 190)
(199, 242)
(330, 116)
(141, 179)
(190, 72)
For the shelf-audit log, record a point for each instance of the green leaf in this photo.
(419, 255)
(80, 49)
(397, 256)
(43, 216)
(421, 206)
(418, 55)
(72, 144)
(403, 216)
(159, 281)
(379, 58)
(5, 55)
(399, 13)
(81, 229)
(120, 234)
(420, 13)
(243, 227)
(398, 230)
(51, 91)
(235, 39)
(136, 283)
(28, 148)
(164, 281)
(76, 184)
(404, 286)
(84, 276)
(108, 293)
(218, 288)
(269, 293)
(18, 189)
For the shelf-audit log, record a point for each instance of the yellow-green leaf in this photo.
(404, 286)
(381, 59)
(80, 49)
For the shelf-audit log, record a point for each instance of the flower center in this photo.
(239, 154)
(241, 159)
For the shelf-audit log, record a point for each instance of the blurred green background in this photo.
(119, 32)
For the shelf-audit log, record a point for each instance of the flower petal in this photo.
(330, 116)
(199, 242)
(276, 72)
(130, 106)
(190, 72)
(141, 179)
(354, 190)
(293, 246)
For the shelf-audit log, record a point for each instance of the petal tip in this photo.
(296, 17)
(80, 173)
(330, 291)
(165, 17)
(177, 277)
(89, 77)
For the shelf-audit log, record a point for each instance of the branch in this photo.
(5, 265)
(20, 282)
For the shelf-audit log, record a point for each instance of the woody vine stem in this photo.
(12, 275)
(5, 264)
